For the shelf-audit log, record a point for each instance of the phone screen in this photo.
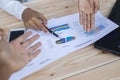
(15, 34)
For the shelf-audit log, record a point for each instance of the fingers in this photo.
(23, 37)
(29, 26)
(40, 24)
(92, 21)
(29, 51)
(80, 14)
(87, 10)
(33, 25)
(30, 41)
(88, 20)
(36, 24)
(34, 47)
(85, 21)
(42, 18)
(35, 54)
(35, 20)
(33, 51)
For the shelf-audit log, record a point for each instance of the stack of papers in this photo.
(73, 38)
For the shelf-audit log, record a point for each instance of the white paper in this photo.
(76, 38)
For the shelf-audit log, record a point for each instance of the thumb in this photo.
(96, 5)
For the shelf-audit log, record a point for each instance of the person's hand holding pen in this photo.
(34, 20)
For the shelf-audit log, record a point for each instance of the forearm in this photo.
(13, 7)
(5, 72)
(5, 69)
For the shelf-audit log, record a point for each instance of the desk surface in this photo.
(85, 64)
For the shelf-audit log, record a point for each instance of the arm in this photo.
(13, 7)
(5, 71)
(87, 10)
(13, 53)
(31, 18)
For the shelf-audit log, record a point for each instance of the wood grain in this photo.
(106, 72)
(54, 8)
(83, 64)
(75, 63)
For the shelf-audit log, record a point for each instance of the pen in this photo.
(52, 32)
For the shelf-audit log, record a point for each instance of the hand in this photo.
(87, 10)
(34, 20)
(15, 55)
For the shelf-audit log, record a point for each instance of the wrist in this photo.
(5, 72)
(5, 68)
(25, 13)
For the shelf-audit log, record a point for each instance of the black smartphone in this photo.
(15, 33)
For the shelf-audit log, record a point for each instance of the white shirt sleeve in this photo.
(13, 7)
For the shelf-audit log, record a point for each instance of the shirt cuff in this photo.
(15, 8)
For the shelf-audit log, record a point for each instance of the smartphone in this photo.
(15, 33)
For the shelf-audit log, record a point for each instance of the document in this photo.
(72, 38)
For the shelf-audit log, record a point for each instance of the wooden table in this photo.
(85, 64)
